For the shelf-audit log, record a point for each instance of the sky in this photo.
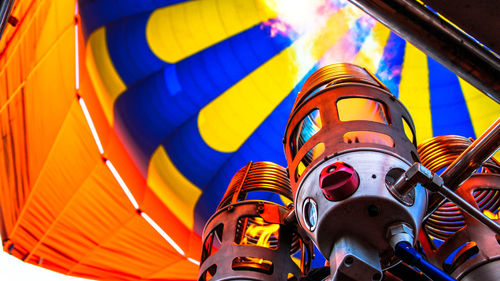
(13, 269)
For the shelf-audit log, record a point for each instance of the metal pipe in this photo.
(469, 209)
(5, 9)
(436, 37)
(473, 157)
(409, 255)
(417, 173)
(468, 162)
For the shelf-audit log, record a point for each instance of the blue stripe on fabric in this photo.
(149, 111)
(449, 111)
(130, 51)
(191, 155)
(265, 144)
(95, 14)
(358, 34)
(350, 43)
(172, 83)
(389, 69)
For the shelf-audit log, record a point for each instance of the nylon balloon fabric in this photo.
(195, 89)
(62, 204)
(123, 122)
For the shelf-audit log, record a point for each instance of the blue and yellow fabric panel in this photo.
(196, 89)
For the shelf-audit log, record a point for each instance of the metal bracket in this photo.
(418, 174)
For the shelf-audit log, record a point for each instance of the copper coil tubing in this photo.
(437, 153)
(258, 176)
(335, 74)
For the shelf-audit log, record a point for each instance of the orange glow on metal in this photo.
(361, 109)
(259, 229)
(368, 137)
(247, 260)
(314, 153)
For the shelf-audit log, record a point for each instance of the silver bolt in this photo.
(399, 232)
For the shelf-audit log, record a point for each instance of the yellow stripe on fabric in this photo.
(107, 82)
(414, 91)
(232, 117)
(373, 48)
(178, 31)
(172, 188)
(483, 111)
(285, 200)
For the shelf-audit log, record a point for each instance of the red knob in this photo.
(338, 181)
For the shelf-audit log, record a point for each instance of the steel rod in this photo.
(468, 162)
(468, 208)
(473, 157)
(439, 39)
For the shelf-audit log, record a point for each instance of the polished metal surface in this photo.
(247, 261)
(408, 180)
(367, 213)
(249, 239)
(476, 17)
(418, 174)
(473, 246)
(354, 259)
(400, 232)
(438, 153)
(336, 74)
(469, 161)
(325, 90)
(473, 157)
(439, 39)
(258, 176)
(469, 209)
(487, 272)
(341, 195)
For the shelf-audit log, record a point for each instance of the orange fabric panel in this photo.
(97, 210)
(13, 167)
(27, 76)
(189, 241)
(14, 177)
(20, 11)
(180, 270)
(115, 151)
(48, 101)
(88, 226)
(60, 205)
(68, 165)
(148, 201)
(195, 247)
(136, 249)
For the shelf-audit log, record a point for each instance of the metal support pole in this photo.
(419, 174)
(468, 162)
(439, 39)
(473, 157)
(465, 206)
